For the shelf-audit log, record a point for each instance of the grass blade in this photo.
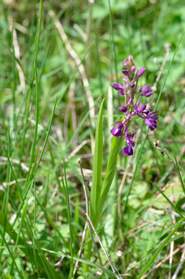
(35, 256)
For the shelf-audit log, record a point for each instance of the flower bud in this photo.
(140, 72)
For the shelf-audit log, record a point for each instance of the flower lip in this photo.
(146, 90)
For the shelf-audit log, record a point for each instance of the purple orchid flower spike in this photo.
(131, 107)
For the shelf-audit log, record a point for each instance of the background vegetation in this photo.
(57, 62)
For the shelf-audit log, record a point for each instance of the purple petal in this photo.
(119, 87)
(152, 125)
(127, 150)
(128, 62)
(116, 132)
(119, 125)
(132, 84)
(152, 115)
(133, 69)
(125, 72)
(130, 139)
(140, 72)
(123, 108)
(139, 107)
(146, 91)
(151, 120)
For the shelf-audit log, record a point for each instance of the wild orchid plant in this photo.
(132, 106)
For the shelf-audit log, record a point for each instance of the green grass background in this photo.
(47, 139)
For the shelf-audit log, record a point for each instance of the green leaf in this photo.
(110, 171)
(97, 166)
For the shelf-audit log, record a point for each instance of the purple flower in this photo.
(133, 69)
(125, 72)
(128, 62)
(146, 90)
(151, 120)
(123, 108)
(117, 130)
(129, 67)
(140, 72)
(127, 150)
(119, 87)
(139, 108)
(129, 139)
